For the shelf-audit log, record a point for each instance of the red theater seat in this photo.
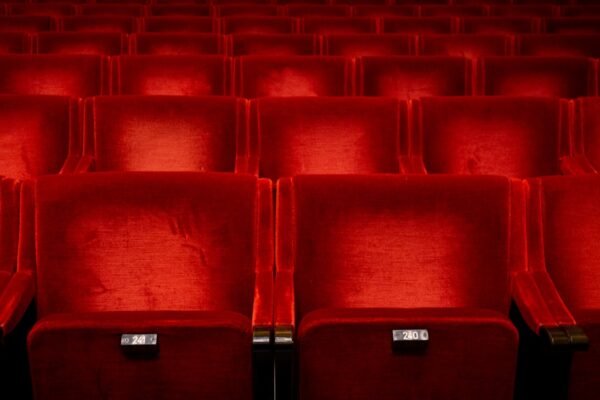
(413, 77)
(469, 10)
(52, 1)
(273, 45)
(586, 135)
(61, 75)
(537, 76)
(98, 24)
(425, 25)
(176, 43)
(385, 11)
(117, 2)
(179, 10)
(181, 2)
(260, 76)
(308, 135)
(245, 10)
(184, 256)
(258, 25)
(98, 43)
(164, 133)
(329, 25)
(355, 45)
(170, 75)
(572, 25)
(359, 257)
(574, 45)
(301, 10)
(180, 24)
(39, 135)
(499, 25)
(580, 10)
(14, 42)
(532, 10)
(126, 10)
(471, 46)
(50, 9)
(513, 136)
(27, 24)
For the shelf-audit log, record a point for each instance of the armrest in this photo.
(530, 302)
(576, 165)
(15, 299)
(84, 164)
(70, 165)
(411, 165)
(284, 308)
(262, 315)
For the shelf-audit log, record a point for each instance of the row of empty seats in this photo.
(279, 137)
(353, 45)
(376, 3)
(319, 25)
(275, 76)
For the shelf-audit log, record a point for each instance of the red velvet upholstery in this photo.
(471, 46)
(127, 10)
(499, 25)
(180, 24)
(95, 43)
(63, 75)
(170, 75)
(176, 43)
(537, 76)
(425, 25)
(50, 10)
(258, 25)
(469, 10)
(273, 45)
(325, 135)
(328, 25)
(14, 43)
(385, 11)
(572, 25)
(586, 132)
(573, 45)
(370, 254)
(258, 76)
(245, 10)
(180, 10)
(38, 135)
(413, 77)
(513, 136)
(98, 24)
(356, 45)
(179, 254)
(28, 24)
(580, 10)
(163, 133)
(527, 10)
(301, 10)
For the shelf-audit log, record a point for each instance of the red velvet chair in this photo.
(359, 258)
(98, 24)
(413, 77)
(49, 10)
(259, 76)
(362, 2)
(471, 46)
(273, 45)
(570, 45)
(513, 136)
(14, 43)
(170, 75)
(586, 135)
(291, 136)
(248, 10)
(468, 10)
(181, 2)
(425, 25)
(27, 24)
(357, 45)
(176, 43)
(117, 2)
(56, 74)
(536, 76)
(329, 25)
(179, 10)
(572, 25)
(164, 133)
(499, 25)
(180, 24)
(262, 25)
(302, 10)
(580, 10)
(185, 256)
(95, 43)
(385, 11)
(526, 10)
(54, 1)
(126, 10)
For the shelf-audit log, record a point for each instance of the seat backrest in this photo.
(467, 10)
(94, 43)
(385, 11)
(308, 10)
(179, 10)
(423, 25)
(279, 44)
(101, 23)
(471, 46)
(399, 241)
(263, 25)
(499, 25)
(14, 43)
(570, 45)
(524, 10)
(164, 133)
(248, 10)
(47, 9)
(27, 24)
(180, 24)
(291, 136)
(513, 136)
(126, 10)
(179, 44)
(146, 241)
(586, 132)
(572, 25)
(329, 25)
(365, 44)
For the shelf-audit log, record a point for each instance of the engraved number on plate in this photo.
(139, 339)
(410, 335)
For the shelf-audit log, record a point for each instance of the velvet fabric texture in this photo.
(27, 24)
(580, 10)
(356, 45)
(572, 25)
(176, 44)
(459, 10)
(571, 45)
(38, 135)
(50, 9)
(179, 9)
(94, 43)
(275, 76)
(423, 25)
(164, 133)
(273, 45)
(329, 25)
(405, 10)
(262, 25)
(60, 75)
(499, 25)
(185, 24)
(358, 256)
(513, 136)
(14, 43)
(523, 10)
(325, 135)
(168, 75)
(98, 24)
(586, 132)
(413, 77)
(229, 10)
(568, 77)
(126, 10)
(471, 46)
(301, 10)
